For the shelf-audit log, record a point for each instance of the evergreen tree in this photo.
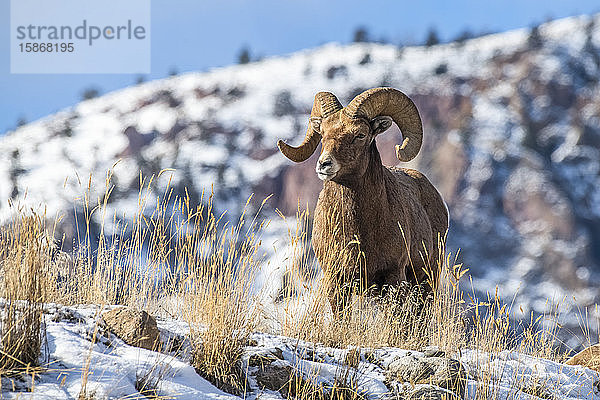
(90, 93)
(21, 121)
(432, 38)
(244, 55)
(360, 35)
(535, 39)
(464, 36)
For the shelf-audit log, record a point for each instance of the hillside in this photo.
(512, 138)
(271, 362)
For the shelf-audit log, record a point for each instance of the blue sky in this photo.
(192, 35)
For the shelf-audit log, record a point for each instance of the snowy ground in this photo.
(114, 367)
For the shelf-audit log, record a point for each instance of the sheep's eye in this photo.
(360, 136)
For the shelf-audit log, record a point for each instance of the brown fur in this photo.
(395, 214)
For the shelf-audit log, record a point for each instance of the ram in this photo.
(375, 224)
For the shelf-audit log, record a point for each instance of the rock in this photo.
(276, 376)
(265, 357)
(445, 373)
(68, 315)
(430, 392)
(589, 357)
(538, 389)
(136, 328)
(433, 351)
(280, 376)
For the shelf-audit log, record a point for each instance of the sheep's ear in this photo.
(315, 122)
(380, 124)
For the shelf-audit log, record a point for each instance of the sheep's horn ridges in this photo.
(324, 105)
(398, 106)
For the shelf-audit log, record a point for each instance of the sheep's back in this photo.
(430, 199)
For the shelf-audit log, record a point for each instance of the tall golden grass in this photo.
(24, 284)
(186, 261)
(175, 258)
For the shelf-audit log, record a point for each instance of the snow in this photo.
(113, 370)
(115, 366)
(511, 370)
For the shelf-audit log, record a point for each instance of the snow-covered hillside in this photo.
(512, 140)
(78, 348)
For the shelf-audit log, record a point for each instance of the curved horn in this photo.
(395, 104)
(325, 104)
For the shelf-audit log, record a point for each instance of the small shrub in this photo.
(441, 69)
(283, 104)
(365, 60)
(90, 93)
(336, 70)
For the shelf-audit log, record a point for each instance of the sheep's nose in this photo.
(325, 163)
(327, 167)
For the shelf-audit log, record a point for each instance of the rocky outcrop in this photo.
(295, 368)
(430, 392)
(589, 358)
(431, 375)
(136, 328)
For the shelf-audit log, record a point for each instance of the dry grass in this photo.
(122, 264)
(218, 296)
(85, 373)
(307, 387)
(24, 271)
(183, 260)
(398, 316)
(174, 254)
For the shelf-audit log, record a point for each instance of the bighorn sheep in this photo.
(381, 224)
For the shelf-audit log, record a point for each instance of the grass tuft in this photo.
(25, 254)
